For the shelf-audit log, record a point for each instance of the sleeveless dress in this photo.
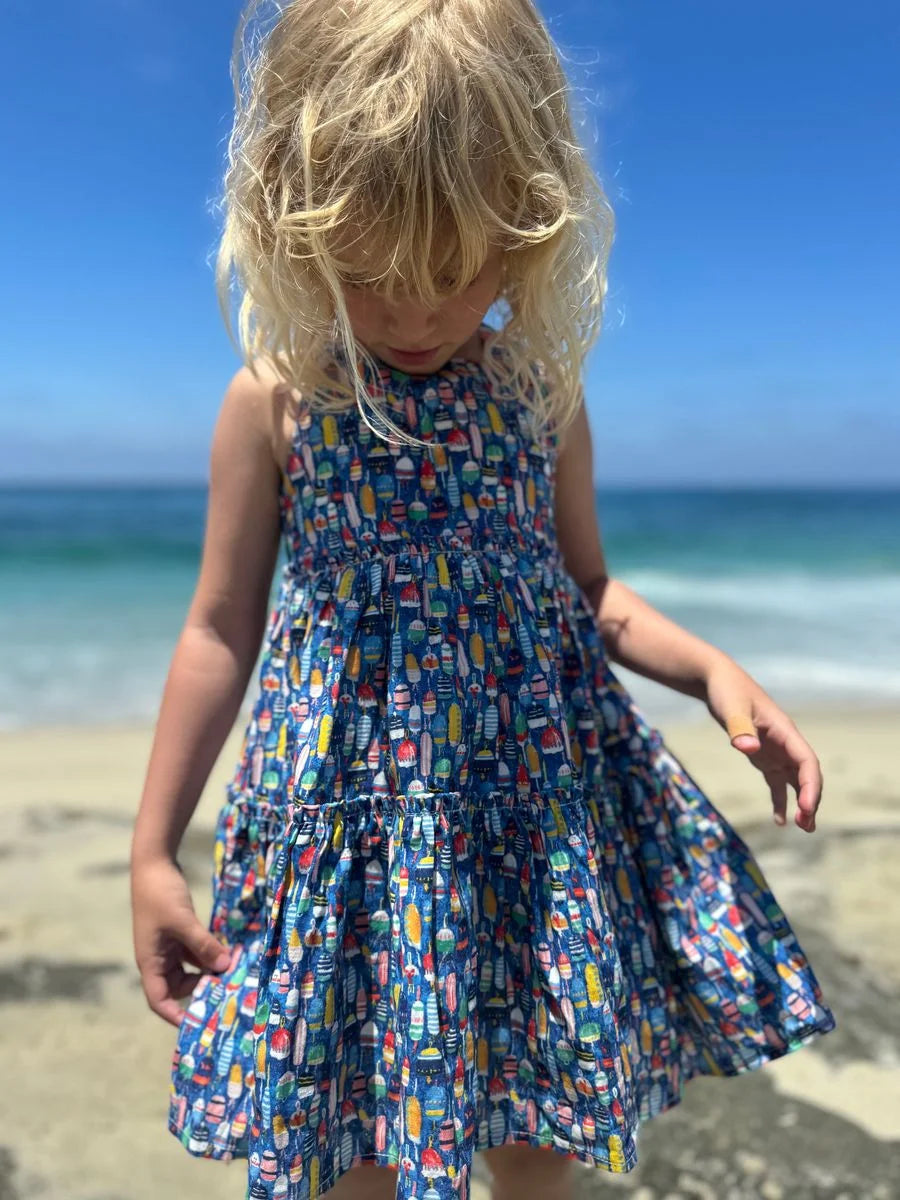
(470, 895)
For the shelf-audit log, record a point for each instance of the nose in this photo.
(409, 323)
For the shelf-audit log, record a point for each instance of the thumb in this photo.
(208, 951)
(742, 732)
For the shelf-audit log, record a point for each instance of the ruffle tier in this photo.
(418, 976)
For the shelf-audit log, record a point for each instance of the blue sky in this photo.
(752, 154)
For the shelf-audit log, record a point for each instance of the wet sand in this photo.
(86, 1063)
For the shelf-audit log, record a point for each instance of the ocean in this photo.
(802, 587)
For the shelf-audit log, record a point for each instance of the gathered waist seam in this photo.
(339, 564)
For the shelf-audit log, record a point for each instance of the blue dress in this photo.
(470, 895)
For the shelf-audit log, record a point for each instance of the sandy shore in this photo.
(86, 1063)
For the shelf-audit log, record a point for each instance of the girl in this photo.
(463, 896)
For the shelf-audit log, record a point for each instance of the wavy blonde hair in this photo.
(443, 129)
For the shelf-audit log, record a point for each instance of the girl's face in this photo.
(387, 328)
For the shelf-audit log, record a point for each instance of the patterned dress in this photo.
(470, 895)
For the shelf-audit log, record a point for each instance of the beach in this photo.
(86, 1062)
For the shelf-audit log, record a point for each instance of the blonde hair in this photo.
(440, 127)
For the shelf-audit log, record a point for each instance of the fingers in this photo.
(809, 792)
(204, 948)
(163, 991)
(778, 788)
(808, 779)
(184, 982)
(165, 980)
(190, 957)
(162, 997)
(738, 724)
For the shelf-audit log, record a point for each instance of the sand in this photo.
(86, 1062)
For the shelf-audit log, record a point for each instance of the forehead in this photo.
(372, 247)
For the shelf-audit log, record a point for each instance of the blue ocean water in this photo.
(802, 587)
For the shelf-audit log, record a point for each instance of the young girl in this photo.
(463, 897)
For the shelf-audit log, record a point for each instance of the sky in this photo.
(751, 154)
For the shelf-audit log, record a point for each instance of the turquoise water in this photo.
(801, 587)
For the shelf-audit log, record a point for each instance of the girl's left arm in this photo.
(645, 641)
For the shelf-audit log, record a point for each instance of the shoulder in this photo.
(262, 400)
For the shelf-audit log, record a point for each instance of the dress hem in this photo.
(565, 1149)
(804, 1036)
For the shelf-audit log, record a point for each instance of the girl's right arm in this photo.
(207, 679)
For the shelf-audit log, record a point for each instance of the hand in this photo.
(769, 738)
(166, 931)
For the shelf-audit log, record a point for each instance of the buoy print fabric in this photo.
(471, 896)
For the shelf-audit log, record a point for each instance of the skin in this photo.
(217, 650)
(451, 328)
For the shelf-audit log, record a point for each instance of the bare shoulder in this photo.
(276, 405)
(249, 402)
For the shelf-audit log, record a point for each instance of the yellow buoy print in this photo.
(413, 921)
(329, 431)
(442, 571)
(533, 760)
(622, 885)
(542, 1020)
(295, 945)
(476, 651)
(345, 587)
(646, 1036)
(325, 724)
(732, 939)
(413, 1118)
(454, 724)
(616, 1154)
(483, 1055)
(329, 1006)
(367, 500)
(314, 1178)
(626, 1062)
(753, 871)
(560, 827)
(353, 661)
(714, 1068)
(494, 417)
(592, 981)
(699, 1008)
(261, 1058)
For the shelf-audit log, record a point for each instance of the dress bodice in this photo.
(484, 482)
